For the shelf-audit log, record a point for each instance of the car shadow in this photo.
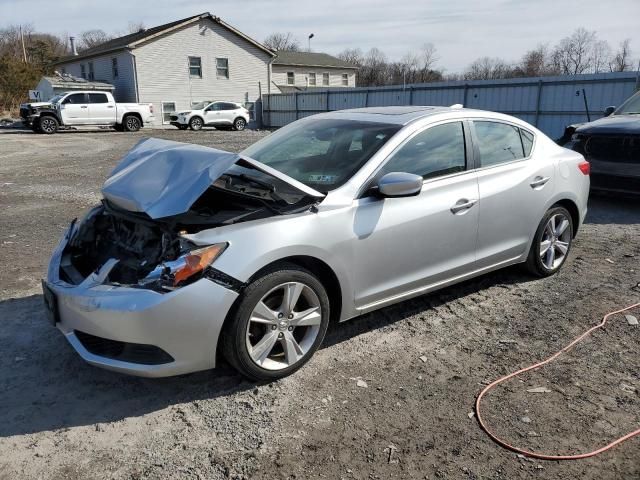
(45, 385)
(607, 209)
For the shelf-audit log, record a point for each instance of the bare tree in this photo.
(374, 70)
(352, 55)
(282, 42)
(487, 68)
(601, 56)
(535, 63)
(574, 54)
(135, 27)
(92, 38)
(621, 61)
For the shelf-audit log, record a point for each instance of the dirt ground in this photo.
(423, 361)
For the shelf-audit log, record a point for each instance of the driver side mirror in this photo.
(609, 110)
(399, 184)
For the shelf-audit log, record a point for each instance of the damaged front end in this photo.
(160, 193)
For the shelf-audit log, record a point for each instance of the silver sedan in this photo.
(196, 254)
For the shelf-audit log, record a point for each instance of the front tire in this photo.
(551, 243)
(278, 325)
(196, 124)
(48, 125)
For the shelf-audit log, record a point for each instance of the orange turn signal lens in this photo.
(196, 261)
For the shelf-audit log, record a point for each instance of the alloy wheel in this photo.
(555, 242)
(132, 124)
(47, 125)
(283, 326)
(240, 124)
(196, 124)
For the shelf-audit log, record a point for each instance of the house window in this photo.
(312, 79)
(291, 78)
(325, 79)
(345, 79)
(195, 67)
(83, 71)
(222, 67)
(91, 75)
(114, 67)
(167, 109)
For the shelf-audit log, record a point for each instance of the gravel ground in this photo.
(423, 362)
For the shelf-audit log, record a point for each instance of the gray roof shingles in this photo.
(310, 59)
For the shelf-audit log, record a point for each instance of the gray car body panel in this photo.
(164, 178)
(383, 250)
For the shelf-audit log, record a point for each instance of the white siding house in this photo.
(178, 64)
(301, 70)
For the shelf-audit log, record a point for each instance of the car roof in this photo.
(403, 115)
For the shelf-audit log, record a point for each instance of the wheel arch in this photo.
(134, 114)
(572, 208)
(323, 272)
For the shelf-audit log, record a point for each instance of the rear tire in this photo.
(268, 337)
(239, 124)
(48, 125)
(196, 123)
(551, 243)
(131, 123)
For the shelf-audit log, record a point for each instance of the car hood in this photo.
(614, 124)
(37, 104)
(164, 178)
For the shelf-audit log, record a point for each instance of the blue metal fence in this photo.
(550, 103)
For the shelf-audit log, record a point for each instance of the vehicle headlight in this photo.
(575, 137)
(187, 268)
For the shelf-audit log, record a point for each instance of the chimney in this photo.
(72, 41)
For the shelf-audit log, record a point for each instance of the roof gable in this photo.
(133, 39)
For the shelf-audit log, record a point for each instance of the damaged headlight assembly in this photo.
(184, 270)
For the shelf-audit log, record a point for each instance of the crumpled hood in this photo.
(164, 178)
(620, 124)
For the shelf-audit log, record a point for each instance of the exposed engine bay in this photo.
(140, 244)
(159, 193)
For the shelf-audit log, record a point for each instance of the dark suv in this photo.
(612, 146)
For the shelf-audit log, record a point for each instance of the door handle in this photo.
(109, 106)
(83, 106)
(463, 204)
(539, 181)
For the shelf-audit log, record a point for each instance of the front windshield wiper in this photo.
(256, 181)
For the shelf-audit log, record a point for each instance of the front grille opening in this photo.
(123, 351)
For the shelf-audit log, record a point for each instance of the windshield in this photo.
(56, 98)
(200, 106)
(631, 106)
(322, 153)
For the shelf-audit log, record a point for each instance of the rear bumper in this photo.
(185, 323)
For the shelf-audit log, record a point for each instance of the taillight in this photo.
(585, 167)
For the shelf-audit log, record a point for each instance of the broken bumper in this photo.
(137, 331)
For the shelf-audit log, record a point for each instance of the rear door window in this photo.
(498, 143)
(98, 98)
(527, 141)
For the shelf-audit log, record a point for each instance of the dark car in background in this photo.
(612, 146)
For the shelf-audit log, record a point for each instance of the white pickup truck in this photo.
(80, 109)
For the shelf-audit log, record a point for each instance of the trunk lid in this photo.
(164, 178)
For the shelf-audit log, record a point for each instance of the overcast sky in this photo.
(461, 30)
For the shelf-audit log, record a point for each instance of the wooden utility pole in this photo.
(24, 51)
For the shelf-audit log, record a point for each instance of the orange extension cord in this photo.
(542, 456)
